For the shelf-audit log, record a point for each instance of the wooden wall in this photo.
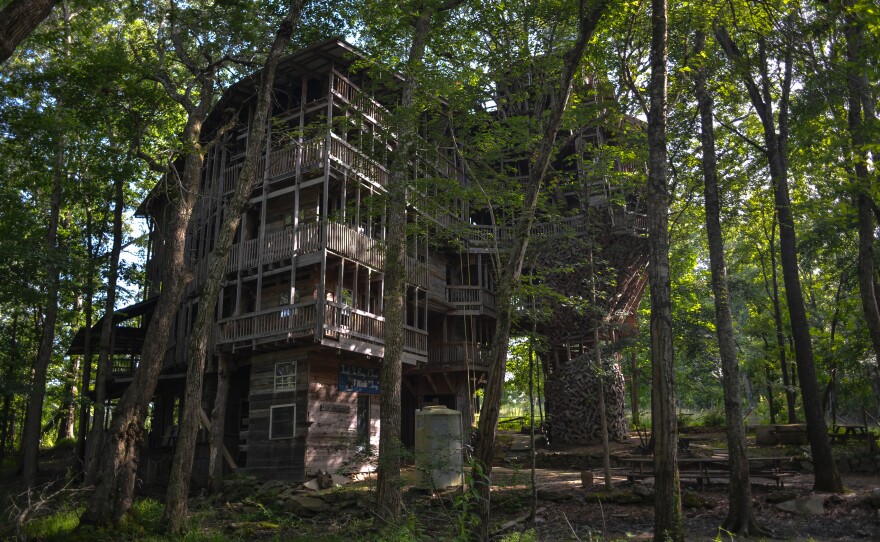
(332, 437)
(280, 458)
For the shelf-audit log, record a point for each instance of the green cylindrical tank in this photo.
(438, 447)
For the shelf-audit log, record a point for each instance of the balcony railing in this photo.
(124, 366)
(502, 236)
(416, 272)
(358, 100)
(458, 354)
(355, 245)
(472, 299)
(287, 321)
(359, 163)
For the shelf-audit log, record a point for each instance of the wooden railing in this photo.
(358, 162)
(416, 272)
(124, 365)
(232, 175)
(361, 102)
(286, 321)
(282, 161)
(489, 236)
(415, 340)
(344, 321)
(355, 245)
(457, 354)
(470, 298)
(308, 238)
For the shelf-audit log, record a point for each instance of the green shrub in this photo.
(714, 418)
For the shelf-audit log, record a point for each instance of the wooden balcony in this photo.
(471, 300)
(357, 100)
(457, 355)
(277, 323)
(277, 246)
(124, 366)
(343, 327)
(489, 237)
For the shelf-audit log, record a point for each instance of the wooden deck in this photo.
(341, 326)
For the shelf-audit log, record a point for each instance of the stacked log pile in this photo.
(572, 392)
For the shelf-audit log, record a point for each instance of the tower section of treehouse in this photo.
(308, 262)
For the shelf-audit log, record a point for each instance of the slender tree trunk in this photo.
(858, 94)
(510, 273)
(30, 446)
(790, 393)
(218, 424)
(68, 419)
(740, 515)
(826, 476)
(105, 356)
(181, 466)
(770, 403)
(634, 387)
(600, 375)
(85, 405)
(667, 502)
(533, 501)
(389, 502)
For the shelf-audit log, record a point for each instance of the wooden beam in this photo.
(206, 423)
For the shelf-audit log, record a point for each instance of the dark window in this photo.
(281, 421)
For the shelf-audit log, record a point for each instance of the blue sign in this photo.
(359, 379)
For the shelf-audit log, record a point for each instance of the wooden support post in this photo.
(206, 423)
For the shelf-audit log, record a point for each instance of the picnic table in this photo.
(842, 432)
(704, 469)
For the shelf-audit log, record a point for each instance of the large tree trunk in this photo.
(826, 476)
(859, 104)
(667, 502)
(117, 467)
(181, 466)
(389, 502)
(105, 356)
(510, 273)
(18, 19)
(740, 514)
(30, 445)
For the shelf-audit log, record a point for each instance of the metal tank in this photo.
(438, 452)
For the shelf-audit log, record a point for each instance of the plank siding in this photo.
(278, 458)
(332, 438)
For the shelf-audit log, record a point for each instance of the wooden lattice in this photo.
(573, 397)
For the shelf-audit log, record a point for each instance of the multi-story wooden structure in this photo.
(300, 314)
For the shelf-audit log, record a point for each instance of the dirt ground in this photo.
(847, 519)
(566, 514)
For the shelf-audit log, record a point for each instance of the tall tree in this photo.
(776, 131)
(740, 515)
(181, 466)
(406, 121)
(117, 464)
(551, 109)
(860, 117)
(667, 503)
(30, 448)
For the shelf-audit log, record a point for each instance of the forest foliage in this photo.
(90, 83)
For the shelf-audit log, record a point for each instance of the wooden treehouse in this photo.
(300, 313)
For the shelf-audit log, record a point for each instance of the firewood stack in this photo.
(573, 398)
